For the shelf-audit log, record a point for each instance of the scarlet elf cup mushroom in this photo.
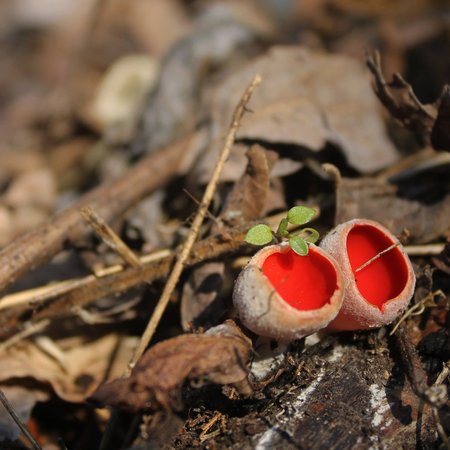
(378, 275)
(285, 296)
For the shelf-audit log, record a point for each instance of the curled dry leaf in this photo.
(378, 200)
(431, 121)
(308, 99)
(73, 367)
(248, 199)
(158, 376)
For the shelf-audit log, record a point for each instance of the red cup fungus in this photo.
(376, 292)
(285, 296)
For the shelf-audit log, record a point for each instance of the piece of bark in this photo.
(111, 200)
(157, 378)
(334, 395)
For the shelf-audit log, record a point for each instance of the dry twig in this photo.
(196, 224)
(73, 294)
(110, 201)
(18, 421)
(109, 237)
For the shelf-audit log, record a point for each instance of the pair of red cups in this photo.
(358, 278)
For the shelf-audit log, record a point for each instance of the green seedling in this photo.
(262, 234)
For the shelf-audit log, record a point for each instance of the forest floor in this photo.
(135, 154)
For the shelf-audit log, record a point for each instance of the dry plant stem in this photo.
(30, 330)
(417, 309)
(378, 255)
(418, 377)
(421, 250)
(196, 224)
(109, 237)
(411, 362)
(91, 288)
(18, 421)
(110, 201)
(45, 293)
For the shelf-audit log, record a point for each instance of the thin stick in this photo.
(109, 236)
(378, 255)
(422, 250)
(32, 329)
(198, 220)
(110, 200)
(198, 203)
(440, 429)
(18, 421)
(418, 308)
(41, 294)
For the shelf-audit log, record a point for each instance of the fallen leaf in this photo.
(76, 367)
(248, 198)
(378, 200)
(308, 99)
(158, 376)
(430, 121)
(172, 109)
(201, 304)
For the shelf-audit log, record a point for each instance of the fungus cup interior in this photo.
(385, 277)
(304, 282)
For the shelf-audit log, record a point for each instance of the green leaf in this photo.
(298, 215)
(259, 235)
(299, 245)
(313, 235)
(282, 228)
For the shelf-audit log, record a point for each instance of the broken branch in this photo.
(196, 224)
(110, 201)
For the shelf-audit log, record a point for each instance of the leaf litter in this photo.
(316, 105)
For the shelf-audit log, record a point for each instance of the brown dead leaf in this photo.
(309, 99)
(73, 367)
(158, 376)
(399, 99)
(378, 200)
(248, 198)
(431, 121)
(201, 304)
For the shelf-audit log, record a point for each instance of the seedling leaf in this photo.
(282, 228)
(299, 245)
(313, 235)
(298, 215)
(259, 235)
